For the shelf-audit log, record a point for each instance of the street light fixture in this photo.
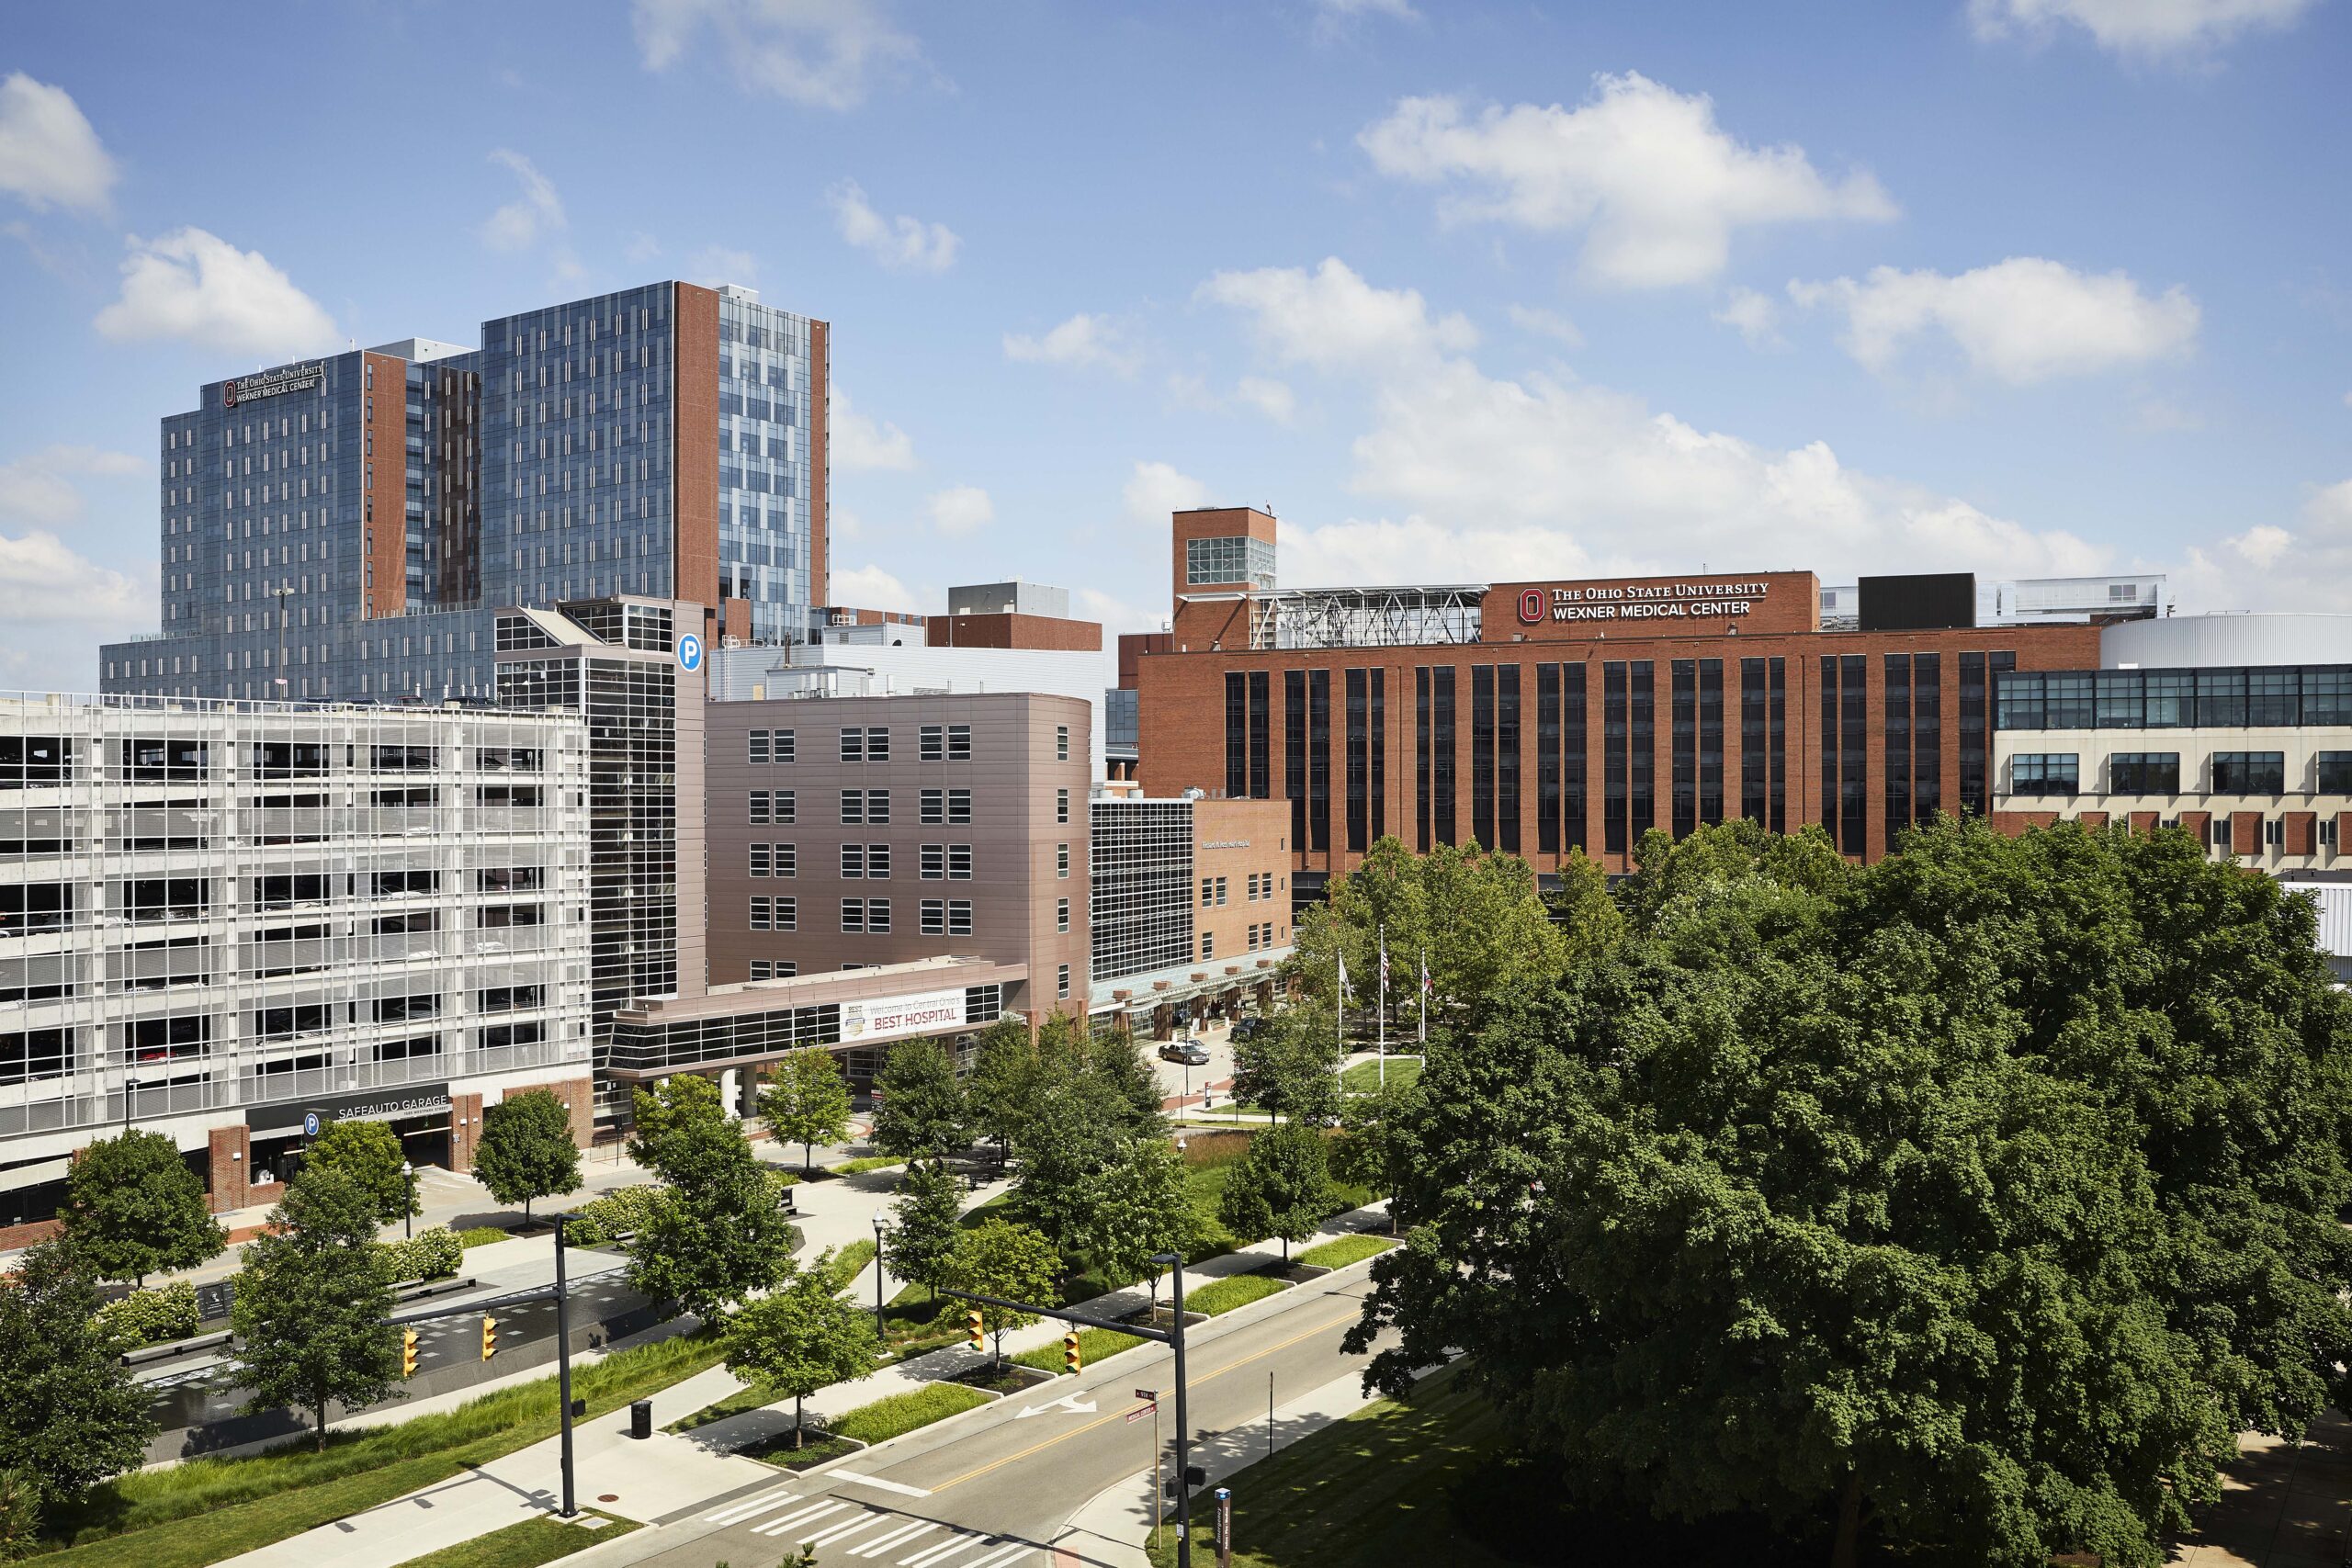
(879, 1336)
(408, 1211)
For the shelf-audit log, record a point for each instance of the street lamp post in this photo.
(879, 1336)
(408, 1211)
(282, 592)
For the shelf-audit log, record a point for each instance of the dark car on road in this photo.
(1189, 1051)
(1243, 1028)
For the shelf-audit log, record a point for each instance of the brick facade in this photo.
(578, 1098)
(229, 1179)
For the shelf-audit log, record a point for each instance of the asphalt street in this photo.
(995, 1487)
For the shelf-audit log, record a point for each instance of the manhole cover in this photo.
(608, 1497)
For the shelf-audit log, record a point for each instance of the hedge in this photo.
(623, 1212)
(153, 1317)
(433, 1253)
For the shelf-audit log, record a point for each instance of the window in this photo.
(1061, 914)
(852, 861)
(758, 747)
(946, 917)
(854, 916)
(510, 998)
(2249, 773)
(931, 807)
(760, 860)
(774, 969)
(1061, 860)
(2043, 774)
(763, 914)
(1220, 892)
(780, 748)
(959, 805)
(2274, 832)
(1061, 806)
(2328, 833)
(945, 743)
(29, 1053)
(1208, 944)
(1061, 743)
(500, 917)
(1237, 558)
(866, 745)
(759, 815)
(1208, 891)
(930, 916)
(959, 916)
(784, 808)
(959, 862)
(852, 806)
(786, 859)
(2335, 770)
(1061, 984)
(2143, 772)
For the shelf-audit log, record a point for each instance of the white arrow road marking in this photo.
(900, 1487)
(736, 1512)
(778, 1527)
(899, 1537)
(1069, 1402)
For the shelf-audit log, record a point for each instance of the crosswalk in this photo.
(800, 1519)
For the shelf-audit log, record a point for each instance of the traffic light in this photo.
(408, 1352)
(973, 1328)
(488, 1337)
(1071, 1360)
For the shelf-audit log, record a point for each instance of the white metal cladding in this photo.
(2179, 642)
(313, 899)
(2335, 901)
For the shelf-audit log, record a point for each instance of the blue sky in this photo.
(1462, 291)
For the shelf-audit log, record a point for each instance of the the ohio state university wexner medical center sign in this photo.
(1640, 601)
(271, 383)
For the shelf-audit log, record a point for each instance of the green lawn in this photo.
(1224, 1295)
(903, 1413)
(1346, 1250)
(524, 1545)
(1369, 1492)
(850, 1262)
(1093, 1343)
(1364, 1077)
(860, 1166)
(208, 1509)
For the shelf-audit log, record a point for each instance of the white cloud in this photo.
(2141, 27)
(871, 588)
(820, 54)
(43, 579)
(2021, 321)
(1332, 319)
(1117, 615)
(642, 247)
(961, 509)
(1082, 340)
(49, 156)
(1655, 184)
(901, 243)
(2306, 568)
(1758, 317)
(861, 442)
(533, 215)
(39, 489)
(1544, 322)
(197, 286)
(715, 265)
(1155, 489)
(1273, 399)
(1333, 17)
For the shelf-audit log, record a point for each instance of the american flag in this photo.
(1384, 966)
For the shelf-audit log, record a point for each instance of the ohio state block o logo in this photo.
(228, 394)
(1530, 606)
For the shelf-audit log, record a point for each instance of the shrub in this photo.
(620, 1213)
(1209, 1150)
(482, 1235)
(20, 1515)
(152, 1318)
(903, 1413)
(433, 1253)
(1234, 1291)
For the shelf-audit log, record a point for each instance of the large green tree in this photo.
(70, 1414)
(1132, 1209)
(1974, 1200)
(716, 1232)
(1005, 1072)
(807, 1102)
(133, 1208)
(997, 1258)
(368, 1153)
(310, 1303)
(526, 1150)
(800, 1338)
(1282, 1188)
(922, 1242)
(923, 1114)
(1290, 1064)
(679, 1113)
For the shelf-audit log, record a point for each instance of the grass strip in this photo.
(525, 1545)
(849, 1263)
(1224, 1295)
(860, 1166)
(1364, 1077)
(1369, 1492)
(1346, 1250)
(483, 1236)
(208, 1509)
(815, 1449)
(903, 1413)
(1093, 1343)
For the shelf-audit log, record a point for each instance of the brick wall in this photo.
(577, 1097)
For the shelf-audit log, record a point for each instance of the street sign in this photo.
(1225, 1527)
(1147, 1394)
(1140, 1412)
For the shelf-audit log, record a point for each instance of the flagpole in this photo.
(1423, 1009)
(1382, 1046)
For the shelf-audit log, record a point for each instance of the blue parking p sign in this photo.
(690, 652)
(310, 1123)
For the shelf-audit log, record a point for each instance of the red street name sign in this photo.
(1140, 1412)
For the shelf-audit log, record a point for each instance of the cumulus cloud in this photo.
(2137, 27)
(1334, 17)
(1273, 399)
(1544, 322)
(41, 579)
(820, 53)
(871, 588)
(1757, 316)
(862, 443)
(901, 243)
(715, 265)
(1656, 186)
(1082, 340)
(2021, 320)
(2270, 567)
(1155, 489)
(534, 214)
(1117, 615)
(49, 155)
(1331, 319)
(961, 509)
(39, 488)
(197, 287)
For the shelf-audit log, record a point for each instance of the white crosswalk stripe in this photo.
(993, 1558)
(837, 1531)
(935, 1555)
(790, 1522)
(735, 1513)
(881, 1544)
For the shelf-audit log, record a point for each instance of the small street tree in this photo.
(799, 1339)
(1282, 1188)
(999, 1258)
(923, 1112)
(670, 1115)
(1134, 1209)
(368, 1153)
(310, 1303)
(70, 1414)
(715, 1235)
(1291, 1066)
(807, 1102)
(526, 1150)
(922, 1246)
(133, 1208)
(1005, 1071)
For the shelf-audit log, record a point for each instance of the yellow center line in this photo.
(1121, 1414)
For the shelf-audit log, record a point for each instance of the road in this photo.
(994, 1488)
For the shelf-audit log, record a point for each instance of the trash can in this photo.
(641, 1418)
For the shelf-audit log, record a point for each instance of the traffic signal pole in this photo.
(563, 1365)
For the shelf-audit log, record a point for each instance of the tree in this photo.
(1291, 1066)
(999, 1258)
(20, 1516)
(1282, 1188)
(716, 1233)
(369, 1153)
(1134, 1209)
(922, 1245)
(133, 1208)
(1072, 1132)
(672, 1115)
(526, 1149)
(310, 1303)
(1977, 1197)
(70, 1414)
(922, 1107)
(1005, 1072)
(799, 1339)
(807, 1102)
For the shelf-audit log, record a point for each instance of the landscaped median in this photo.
(1347, 1249)
(528, 1544)
(893, 1416)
